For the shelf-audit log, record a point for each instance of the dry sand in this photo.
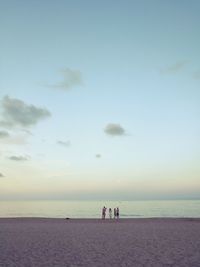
(90, 243)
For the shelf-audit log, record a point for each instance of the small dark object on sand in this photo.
(67, 218)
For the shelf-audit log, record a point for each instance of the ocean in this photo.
(92, 209)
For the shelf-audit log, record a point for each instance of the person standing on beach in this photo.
(117, 213)
(104, 213)
(110, 213)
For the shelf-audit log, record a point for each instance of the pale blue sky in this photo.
(136, 66)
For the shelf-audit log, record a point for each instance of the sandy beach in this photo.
(92, 242)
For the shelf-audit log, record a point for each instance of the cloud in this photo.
(17, 113)
(71, 78)
(175, 67)
(27, 132)
(6, 124)
(19, 158)
(4, 134)
(64, 143)
(114, 129)
(15, 140)
(98, 156)
(1, 175)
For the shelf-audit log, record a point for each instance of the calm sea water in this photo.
(92, 209)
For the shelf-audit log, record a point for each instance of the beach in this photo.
(95, 242)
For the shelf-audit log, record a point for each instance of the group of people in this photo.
(115, 213)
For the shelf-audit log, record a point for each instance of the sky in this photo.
(99, 99)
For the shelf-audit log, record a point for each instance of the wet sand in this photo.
(92, 242)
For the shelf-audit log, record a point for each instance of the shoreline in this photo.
(103, 220)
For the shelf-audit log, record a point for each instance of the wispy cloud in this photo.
(64, 143)
(18, 113)
(114, 129)
(15, 140)
(70, 78)
(174, 68)
(27, 132)
(1, 175)
(4, 134)
(19, 158)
